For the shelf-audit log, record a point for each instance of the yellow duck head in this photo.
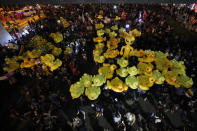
(145, 82)
(99, 46)
(112, 34)
(97, 52)
(33, 54)
(144, 68)
(100, 17)
(12, 64)
(113, 67)
(99, 59)
(67, 51)
(135, 33)
(100, 12)
(111, 54)
(148, 57)
(99, 39)
(99, 26)
(113, 43)
(56, 51)
(50, 61)
(107, 70)
(117, 18)
(117, 85)
(28, 63)
(100, 32)
(138, 53)
(64, 22)
(162, 64)
(171, 77)
(115, 27)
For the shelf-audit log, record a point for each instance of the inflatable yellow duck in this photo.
(100, 15)
(135, 33)
(76, 90)
(107, 30)
(57, 37)
(97, 53)
(121, 32)
(100, 32)
(28, 63)
(145, 82)
(50, 61)
(115, 27)
(33, 54)
(148, 57)
(99, 39)
(64, 22)
(112, 43)
(144, 68)
(112, 34)
(163, 64)
(171, 78)
(99, 59)
(138, 53)
(99, 26)
(117, 85)
(184, 81)
(107, 70)
(56, 51)
(12, 64)
(67, 51)
(93, 92)
(117, 18)
(111, 54)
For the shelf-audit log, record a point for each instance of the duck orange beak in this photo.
(120, 89)
(150, 71)
(141, 53)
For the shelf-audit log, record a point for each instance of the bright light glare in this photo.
(193, 6)
(140, 20)
(56, 6)
(58, 21)
(25, 32)
(127, 26)
(115, 6)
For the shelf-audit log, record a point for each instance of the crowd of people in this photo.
(45, 102)
(183, 15)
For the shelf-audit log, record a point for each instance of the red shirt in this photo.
(123, 16)
(74, 70)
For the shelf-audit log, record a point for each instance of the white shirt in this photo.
(130, 117)
(157, 120)
(117, 119)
